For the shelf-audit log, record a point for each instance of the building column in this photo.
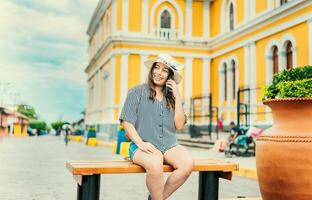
(114, 16)
(206, 76)
(247, 10)
(253, 82)
(310, 40)
(189, 17)
(188, 77)
(125, 16)
(123, 78)
(188, 81)
(144, 18)
(246, 66)
(206, 20)
(143, 71)
(270, 4)
(113, 88)
(251, 77)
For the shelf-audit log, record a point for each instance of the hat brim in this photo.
(176, 75)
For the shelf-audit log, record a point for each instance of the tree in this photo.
(39, 125)
(27, 111)
(57, 124)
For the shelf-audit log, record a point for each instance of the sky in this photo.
(43, 54)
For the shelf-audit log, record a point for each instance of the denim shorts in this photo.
(132, 149)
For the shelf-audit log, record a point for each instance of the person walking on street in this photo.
(150, 116)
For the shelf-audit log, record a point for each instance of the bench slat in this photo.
(122, 166)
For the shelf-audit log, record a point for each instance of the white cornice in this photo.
(259, 21)
(98, 13)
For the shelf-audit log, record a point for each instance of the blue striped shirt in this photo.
(153, 121)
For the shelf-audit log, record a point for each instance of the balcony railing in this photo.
(165, 33)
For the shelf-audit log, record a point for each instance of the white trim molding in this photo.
(206, 22)
(144, 18)
(125, 17)
(206, 76)
(188, 77)
(114, 16)
(310, 40)
(176, 6)
(189, 18)
(143, 71)
(123, 77)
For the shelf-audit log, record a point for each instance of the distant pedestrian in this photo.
(66, 137)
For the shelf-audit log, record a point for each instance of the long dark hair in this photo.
(152, 92)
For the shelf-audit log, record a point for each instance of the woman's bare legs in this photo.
(153, 164)
(180, 159)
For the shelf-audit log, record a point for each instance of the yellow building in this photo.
(224, 44)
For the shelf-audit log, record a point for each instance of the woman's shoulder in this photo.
(138, 89)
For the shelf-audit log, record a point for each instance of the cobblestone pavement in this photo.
(33, 168)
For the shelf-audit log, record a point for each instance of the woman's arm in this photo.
(133, 135)
(179, 117)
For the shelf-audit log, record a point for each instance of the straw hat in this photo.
(170, 62)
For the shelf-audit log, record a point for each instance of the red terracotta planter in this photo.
(284, 151)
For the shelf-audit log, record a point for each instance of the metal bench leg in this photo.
(208, 186)
(90, 188)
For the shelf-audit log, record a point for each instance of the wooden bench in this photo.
(88, 174)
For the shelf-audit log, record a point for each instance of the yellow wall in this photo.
(133, 70)
(197, 18)
(197, 86)
(215, 16)
(119, 14)
(17, 129)
(239, 10)
(135, 7)
(117, 83)
(261, 6)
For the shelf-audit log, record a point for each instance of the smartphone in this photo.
(167, 89)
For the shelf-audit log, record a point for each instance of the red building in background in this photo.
(13, 123)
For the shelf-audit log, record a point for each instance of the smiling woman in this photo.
(151, 117)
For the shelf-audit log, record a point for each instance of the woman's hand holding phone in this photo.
(172, 86)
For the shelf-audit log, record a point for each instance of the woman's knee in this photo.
(186, 165)
(154, 166)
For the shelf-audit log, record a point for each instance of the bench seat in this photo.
(87, 174)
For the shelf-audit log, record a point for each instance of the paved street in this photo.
(33, 168)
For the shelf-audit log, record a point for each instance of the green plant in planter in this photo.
(293, 83)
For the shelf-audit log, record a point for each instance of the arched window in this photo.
(275, 59)
(233, 78)
(231, 17)
(165, 19)
(289, 55)
(225, 81)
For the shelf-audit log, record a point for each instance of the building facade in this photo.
(225, 45)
